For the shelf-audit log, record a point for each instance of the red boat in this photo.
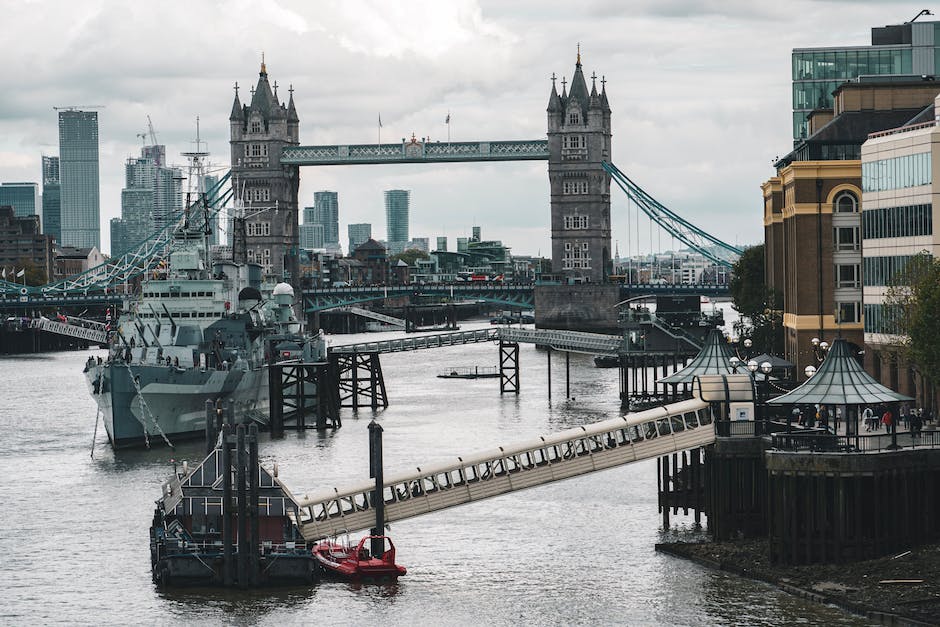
(356, 564)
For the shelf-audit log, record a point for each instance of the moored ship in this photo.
(197, 332)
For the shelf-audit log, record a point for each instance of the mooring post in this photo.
(227, 565)
(276, 400)
(378, 497)
(253, 494)
(241, 492)
(548, 354)
(567, 375)
(210, 426)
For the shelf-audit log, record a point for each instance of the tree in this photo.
(35, 274)
(912, 313)
(753, 300)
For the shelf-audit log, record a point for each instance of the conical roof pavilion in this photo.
(714, 358)
(840, 380)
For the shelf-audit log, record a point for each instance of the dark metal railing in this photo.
(828, 442)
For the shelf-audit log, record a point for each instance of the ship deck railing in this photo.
(176, 546)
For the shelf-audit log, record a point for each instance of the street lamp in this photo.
(809, 371)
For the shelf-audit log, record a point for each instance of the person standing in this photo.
(868, 418)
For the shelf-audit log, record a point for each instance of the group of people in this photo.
(883, 416)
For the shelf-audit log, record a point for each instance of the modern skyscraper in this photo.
(23, 197)
(327, 214)
(396, 219)
(578, 143)
(358, 234)
(78, 169)
(312, 232)
(51, 198)
(151, 199)
(910, 50)
(442, 244)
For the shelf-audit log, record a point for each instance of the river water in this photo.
(74, 529)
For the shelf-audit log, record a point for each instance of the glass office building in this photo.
(78, 173)
(327, 214)
(358, 234)
(898, 50)
(23, 197)
(51, 198)
(396, 219)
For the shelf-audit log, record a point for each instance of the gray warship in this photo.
(196, 332)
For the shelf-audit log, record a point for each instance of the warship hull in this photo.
(174, 399)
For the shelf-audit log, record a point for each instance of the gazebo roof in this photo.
(714, 358)
(775, 362)
(840, 380)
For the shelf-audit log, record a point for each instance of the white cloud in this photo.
(700, 92)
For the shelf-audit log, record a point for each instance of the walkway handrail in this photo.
(419, 342)
(867, 443)
(622, 440)
(572, 341)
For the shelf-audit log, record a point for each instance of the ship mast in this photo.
(196, 188)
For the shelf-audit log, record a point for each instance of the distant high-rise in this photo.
(327, 214)
(51, 198)
(396, 218)
(209, 183)
(311, 231)
(442, 244)
(358, 234)
(150, 200)
(23, 197)
(78, 169)
(477, 234)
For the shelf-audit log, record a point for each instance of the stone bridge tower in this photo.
(267, 190)
(578, 141)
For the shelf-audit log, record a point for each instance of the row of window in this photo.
(902, 221)
(880, 270)
(257, 229)
(845, 64)
(181, 314)
(256, 150)
(845, 238)
(257, 194)
(573, 142)
(178, 294)
(576, 222)
(896, 173)
(577, 256)
(847, 312)
(261, 256)
(574, 187)
(881, 318)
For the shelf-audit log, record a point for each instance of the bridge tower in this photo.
(578, 141)
(267, 190)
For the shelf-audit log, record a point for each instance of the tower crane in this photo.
(153, 134)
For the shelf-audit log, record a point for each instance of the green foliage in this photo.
(752, 299)
(748, 290)
(35, 274)
(913, 305)
(410, 256)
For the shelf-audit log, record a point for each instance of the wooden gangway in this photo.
(680, 426)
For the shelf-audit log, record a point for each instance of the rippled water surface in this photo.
(73, 529)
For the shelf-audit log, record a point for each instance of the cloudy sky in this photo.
(700, 93)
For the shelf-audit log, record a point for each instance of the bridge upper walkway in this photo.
(544, 459)
(572, 341)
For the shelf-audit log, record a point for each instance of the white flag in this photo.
(447, 119)
(380, 120)
(4, 274)
(21, 273)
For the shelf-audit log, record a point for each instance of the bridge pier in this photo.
(358, 375)
(509, 368)
(299, 390)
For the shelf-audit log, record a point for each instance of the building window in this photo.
(572, 222)
(256, 126)
(574, 187)
(845, 238)
(258, 194)
(896, 173)
(901, 221)
(256, 150)
(251, 256)
(574, 118)
(846, 203)
(577, 256)
(569, 142)
(847, 275)
(847, 312)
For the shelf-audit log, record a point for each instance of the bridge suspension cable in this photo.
(140, 260)
(680, 228)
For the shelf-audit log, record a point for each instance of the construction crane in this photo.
(143, 138)
(153, 134)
